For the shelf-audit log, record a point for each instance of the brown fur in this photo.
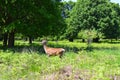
(52, 51)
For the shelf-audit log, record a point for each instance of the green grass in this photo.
(101, 63)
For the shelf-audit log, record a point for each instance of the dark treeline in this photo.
(31, 18)
(94, 19)
(86, 19)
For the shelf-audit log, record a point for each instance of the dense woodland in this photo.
(84, 19)
(67, 26)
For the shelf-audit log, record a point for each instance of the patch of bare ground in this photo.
(68, 73)
(115, 77)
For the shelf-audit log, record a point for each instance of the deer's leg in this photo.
(48, 55)
(61, 54)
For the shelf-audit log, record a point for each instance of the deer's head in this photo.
(44, 42)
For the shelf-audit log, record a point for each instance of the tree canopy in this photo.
(100, 15)
(30, 17)
(36, 18)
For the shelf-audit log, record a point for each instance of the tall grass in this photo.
(101, 63)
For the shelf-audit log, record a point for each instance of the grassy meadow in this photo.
(29, 62)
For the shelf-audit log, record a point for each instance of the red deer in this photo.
(52, 51)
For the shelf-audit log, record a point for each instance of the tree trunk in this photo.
(1, 37)
(89, 42)
(83, 40)
(111, 40)
(30, 40)
(5, 39)
(116, 39)
(71, 39)
(25, 38)
(96, 39)
(11, 39)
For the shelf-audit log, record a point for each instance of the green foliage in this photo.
(66, 8)
(110, 24)
(32, 18)
(84, 34)
(101, 63)
(101, 15)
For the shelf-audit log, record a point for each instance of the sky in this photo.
(116, 1)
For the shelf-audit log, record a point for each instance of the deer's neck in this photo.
(45, 48)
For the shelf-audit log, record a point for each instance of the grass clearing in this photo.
(101, 63)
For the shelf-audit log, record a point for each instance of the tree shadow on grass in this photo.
(37, 48)
(67, 48)
(33, 48)
(110, 42)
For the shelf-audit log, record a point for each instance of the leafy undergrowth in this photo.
(101, 63)
(96, 65)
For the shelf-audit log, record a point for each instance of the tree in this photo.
(12, 12)
(110, 25)
(90, 14)
(30, 17)
(66, 8)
